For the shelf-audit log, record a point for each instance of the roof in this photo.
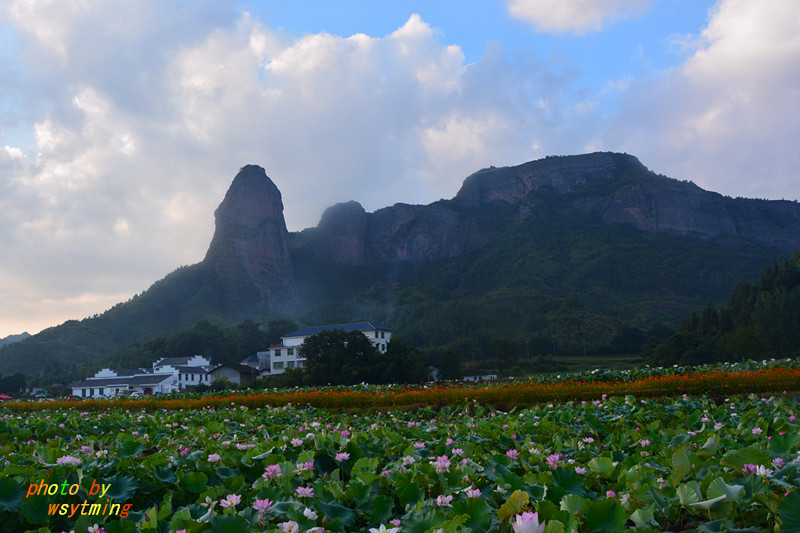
(251, 359)
(153, 379)
(240, 368)
(190, 369)
(172, 361)
(347, 328)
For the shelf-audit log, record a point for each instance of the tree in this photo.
(339, 358)
(251, 339)
(404, 364)
(504, 352)
(449, 365)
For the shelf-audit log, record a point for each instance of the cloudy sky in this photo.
(122, 124)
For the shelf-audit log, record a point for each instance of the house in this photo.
(109, 383)
(287, 354)
(251, 361)
(189, 371)
(480, 377)
(237, 374)
(167, 375)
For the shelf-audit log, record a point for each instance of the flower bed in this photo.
(601, 464)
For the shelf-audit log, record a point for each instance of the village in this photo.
(175, 374)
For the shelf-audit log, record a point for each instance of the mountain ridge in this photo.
(529, 240)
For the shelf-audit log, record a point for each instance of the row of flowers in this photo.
(506, 394)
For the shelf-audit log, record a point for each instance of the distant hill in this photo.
(563, 254)
(14, 338)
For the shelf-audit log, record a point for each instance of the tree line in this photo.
(760, 320)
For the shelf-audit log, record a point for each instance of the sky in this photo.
(122, 124)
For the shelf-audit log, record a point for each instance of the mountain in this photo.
(559, 252)
(14, 338)
(615, 187)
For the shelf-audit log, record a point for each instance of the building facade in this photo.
(280, 357)
(167, 375)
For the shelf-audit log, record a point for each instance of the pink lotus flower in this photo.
(213, 458)
(342, 456)
(230, 501)
(271, 472)
(473, 493)
(263, 506)
(527, 522)
(305, 492)
(444, 501)
(441, 464)
(554, 460)
(513, 454)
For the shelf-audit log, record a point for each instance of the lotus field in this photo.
(614, 462)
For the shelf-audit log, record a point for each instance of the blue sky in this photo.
(123, 123)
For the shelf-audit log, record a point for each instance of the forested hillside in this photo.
(760, 321)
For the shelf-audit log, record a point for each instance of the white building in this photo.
(287, 354)
(167, 375)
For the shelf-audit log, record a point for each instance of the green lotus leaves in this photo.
(600, 465)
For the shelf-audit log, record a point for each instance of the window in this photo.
(278, 366)
(180, 377)
(100, 391)
(376, 334)
(290, 364)
(91, 392)
(290, 351)
(383, 334)
(277, 352)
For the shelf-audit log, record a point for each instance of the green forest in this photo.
(760, 321)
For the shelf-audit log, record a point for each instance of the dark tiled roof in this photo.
(244, 369)
(251, 359)
(347, 328)
(153, 379)
(190, 369)
(172, 361)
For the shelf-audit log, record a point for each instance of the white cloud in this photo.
(576, 16)
(142, 113)
(139, 134)
(728, 117)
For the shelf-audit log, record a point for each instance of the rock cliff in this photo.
(249, 253)
(252, 256)
(616, 187)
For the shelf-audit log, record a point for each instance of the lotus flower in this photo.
(527, 522)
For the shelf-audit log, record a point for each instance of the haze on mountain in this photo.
(562, 253)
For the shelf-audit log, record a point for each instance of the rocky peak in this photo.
(249, 252)
(341, 233)
(251, 199)
(512, 184)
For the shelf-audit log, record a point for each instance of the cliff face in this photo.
(617, 187)
(562, 174)
(249, 254)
